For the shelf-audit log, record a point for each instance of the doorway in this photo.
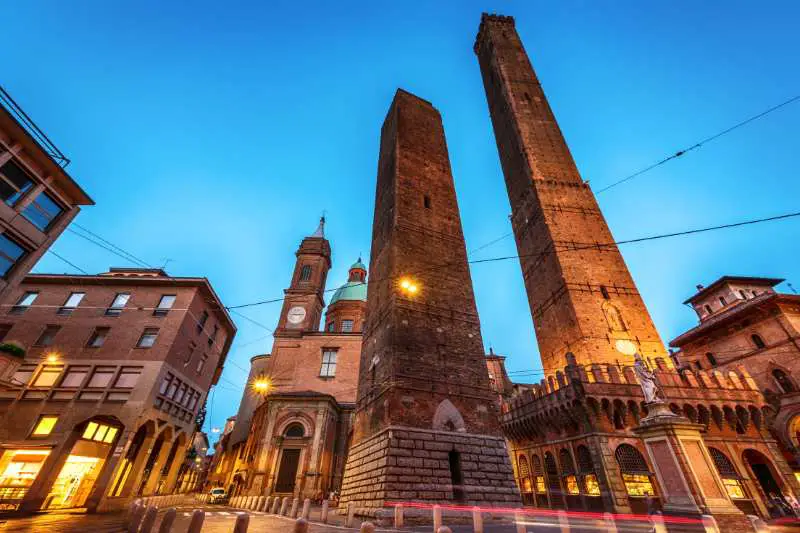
(762, 470)
(287, 472)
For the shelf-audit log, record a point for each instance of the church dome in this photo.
(356, 286)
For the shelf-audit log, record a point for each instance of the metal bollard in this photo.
(398, 516)
(437, 517)
(519, 520)
(306, 508)
(477, 520)
(242, 521)
(710, 524)
(196, 524)
(323, 514)
(300, 526)
(563, 521)
(149, 519)
(284, 506)
(276, 504)
(260, 504)
(136, 517)
(367, 527)
(166, 522)
(351, 511)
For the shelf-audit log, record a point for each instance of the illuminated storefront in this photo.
(18, 470)
(637, 478)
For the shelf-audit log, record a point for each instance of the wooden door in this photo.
(287, 472)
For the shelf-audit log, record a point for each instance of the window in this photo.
(98, 337)
(24, 303)
(42, 211)
(44, 426)
(101, 377)
(164, 305)
(74, 376)
(586, 469)
(456, 475)
(635, 473)
(48, 376)
(524, 475)
(347, 326)
(127, 378)
(201, 363)
(118, 304)
(189, 353)
(47, 336)
(305, 273)
(743, 295)
(722, 301)
(193, 401)
(166, 383)
(758, 341)
(213, 336)
(331, 327)
(23, 375)
(202, 322)
(181, 392)
(538, 476)
(711, 359)
(698, 366)
(727, 472)
(708, 309)
(328, 369)
(784, 381)
(173, 386)
(148, 338)
(604, 292)
(72, 302)
(295, 430)
(14, 182)
(426, 201)
(4, 330)
(10, 253)
(99, 432)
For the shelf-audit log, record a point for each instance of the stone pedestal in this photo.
(689, 481)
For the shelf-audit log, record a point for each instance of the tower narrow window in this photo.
(604, 292)
(722, 301)
(456, 477)
(427, 201)
(711, 359)
(784, 381)
(328, 368)
(758, 341)
(708, 309)
(305, 273)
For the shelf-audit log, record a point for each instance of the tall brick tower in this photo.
(426, 424)
(581, 295)
(303, 303)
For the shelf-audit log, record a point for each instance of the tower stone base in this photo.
(402, 464)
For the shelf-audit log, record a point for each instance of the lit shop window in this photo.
(571, 484)
(734, 488)
(99, 432)
(18, 470)
(635, 472)
(591, 484)
(638, 485)
(730, 478)
(44, 426)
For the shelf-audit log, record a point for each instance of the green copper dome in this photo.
(358, 264)
(352, 290)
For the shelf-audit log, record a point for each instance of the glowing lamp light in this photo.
(52, 357)
(262, 385)
(409, 286)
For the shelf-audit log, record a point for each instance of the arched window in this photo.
(743, 295)
(722, 301)
(698, 365)
(784, 381)
(295, 431)
(538, 476)
(758, 341)
(568, 472)
(305, 273)
(604, 292)
(711, 359)
(524, 475)
(708, 309)
(635, 472)
(551, 471)
(586, 469)
(727, 472)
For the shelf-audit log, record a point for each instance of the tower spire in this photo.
(320, 233)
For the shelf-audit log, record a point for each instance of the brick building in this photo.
(117, 367)
(585, 438)
(292, 428)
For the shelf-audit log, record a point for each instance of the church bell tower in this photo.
(581, 294)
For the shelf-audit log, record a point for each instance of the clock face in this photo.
(296, 315)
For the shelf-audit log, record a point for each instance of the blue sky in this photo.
(214, 134)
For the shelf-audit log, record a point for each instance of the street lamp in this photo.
(262, 385)
(52, 357)
(409, 286)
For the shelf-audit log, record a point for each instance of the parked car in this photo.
(218, 495)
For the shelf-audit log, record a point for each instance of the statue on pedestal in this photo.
(647, 380)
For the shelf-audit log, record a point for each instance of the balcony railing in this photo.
(33, 130)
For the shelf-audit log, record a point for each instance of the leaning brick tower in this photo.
(426, 425)
(581, 295)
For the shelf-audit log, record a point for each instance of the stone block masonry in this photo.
(401, 464)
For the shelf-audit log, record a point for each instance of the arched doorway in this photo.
(289, 458)
(85, 460)
(764, 472)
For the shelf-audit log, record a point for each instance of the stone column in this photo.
(155, 473)
(612, 487)
(172, 474)
(108, 473)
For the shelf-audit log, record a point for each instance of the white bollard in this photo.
(323, 514)
(284, 506)
(276, 505)
(710, 524)
(306, 509)
(196, 524)
(609, 524)
(398, 516)
(367, 527)
(519, 520)
(301, 526)
(477, 520)
(260, 504)
(166, 522)
(149, 519)
(437, 517)
(351, 511)
(242, 521)
(295, 505)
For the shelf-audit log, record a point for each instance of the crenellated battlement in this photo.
(493, 19)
